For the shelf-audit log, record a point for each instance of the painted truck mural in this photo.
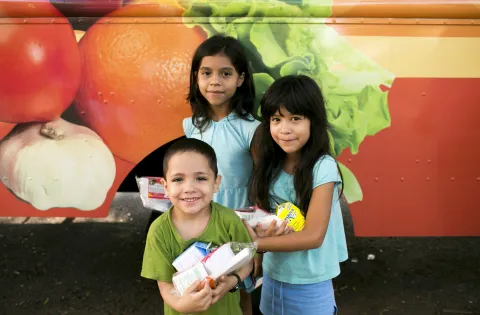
(89, 88)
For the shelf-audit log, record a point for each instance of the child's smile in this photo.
(190, 199)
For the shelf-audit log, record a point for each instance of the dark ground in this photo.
(93, 266)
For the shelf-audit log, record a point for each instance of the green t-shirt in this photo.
(164, 244)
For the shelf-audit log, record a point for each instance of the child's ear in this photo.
(218, 180)
(164, 183)
(241, 78)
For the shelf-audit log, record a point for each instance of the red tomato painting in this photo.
(40, 64)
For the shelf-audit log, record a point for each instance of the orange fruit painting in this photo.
(135, 78)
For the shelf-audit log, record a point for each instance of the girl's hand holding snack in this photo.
(259, 232)
(273, 230)
(194, 301)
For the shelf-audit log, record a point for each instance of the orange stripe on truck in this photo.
(423, 57)
(452, 9)
(424, 28)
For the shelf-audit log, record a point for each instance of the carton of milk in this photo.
(191, 256)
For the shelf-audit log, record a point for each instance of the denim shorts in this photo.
(280, 298)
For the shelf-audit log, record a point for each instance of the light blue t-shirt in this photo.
(230, 137)
(314, 265)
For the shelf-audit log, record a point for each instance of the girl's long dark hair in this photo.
(242, 101)
(299, 95)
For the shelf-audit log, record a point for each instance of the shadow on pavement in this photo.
(80, 266)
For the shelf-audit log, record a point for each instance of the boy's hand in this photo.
(193, 301)
(224, 285)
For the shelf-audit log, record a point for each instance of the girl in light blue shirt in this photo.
(295, 165)
(222, 97)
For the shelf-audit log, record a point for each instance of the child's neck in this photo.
(290, 162)
(191, 225)
(219, 112)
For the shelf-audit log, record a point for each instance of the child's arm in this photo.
(257, 265)
(244, 272)
(157, 265)
(315, 228)
(190, 301)
(226, 283)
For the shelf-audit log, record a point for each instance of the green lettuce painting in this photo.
(292, 38)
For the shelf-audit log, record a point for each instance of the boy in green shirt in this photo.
(191, 179)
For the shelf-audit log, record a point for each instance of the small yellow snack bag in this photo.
(289, 212)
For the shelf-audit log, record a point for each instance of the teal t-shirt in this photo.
(164, 244)
(230, 137)
(314, 265)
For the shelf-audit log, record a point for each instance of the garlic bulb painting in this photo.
(56, 165)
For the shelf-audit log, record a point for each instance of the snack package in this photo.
(182, 280)
(153, 194)
(289, 212)
(256, 216)
(249, 284)
(227, 258)
(220, 261)
(248, 213)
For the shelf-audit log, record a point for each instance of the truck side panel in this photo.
(401, 80)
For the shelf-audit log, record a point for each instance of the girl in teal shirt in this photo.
(222, 97)
(295, 165)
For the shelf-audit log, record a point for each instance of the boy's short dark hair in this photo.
(191, 145)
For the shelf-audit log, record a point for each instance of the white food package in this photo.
(256, 216)
(221, 261)
(153, 194)
(182, 280)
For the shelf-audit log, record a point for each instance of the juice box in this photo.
(191, 256)
(289, 212)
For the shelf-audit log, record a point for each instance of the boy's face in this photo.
(190, 182)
